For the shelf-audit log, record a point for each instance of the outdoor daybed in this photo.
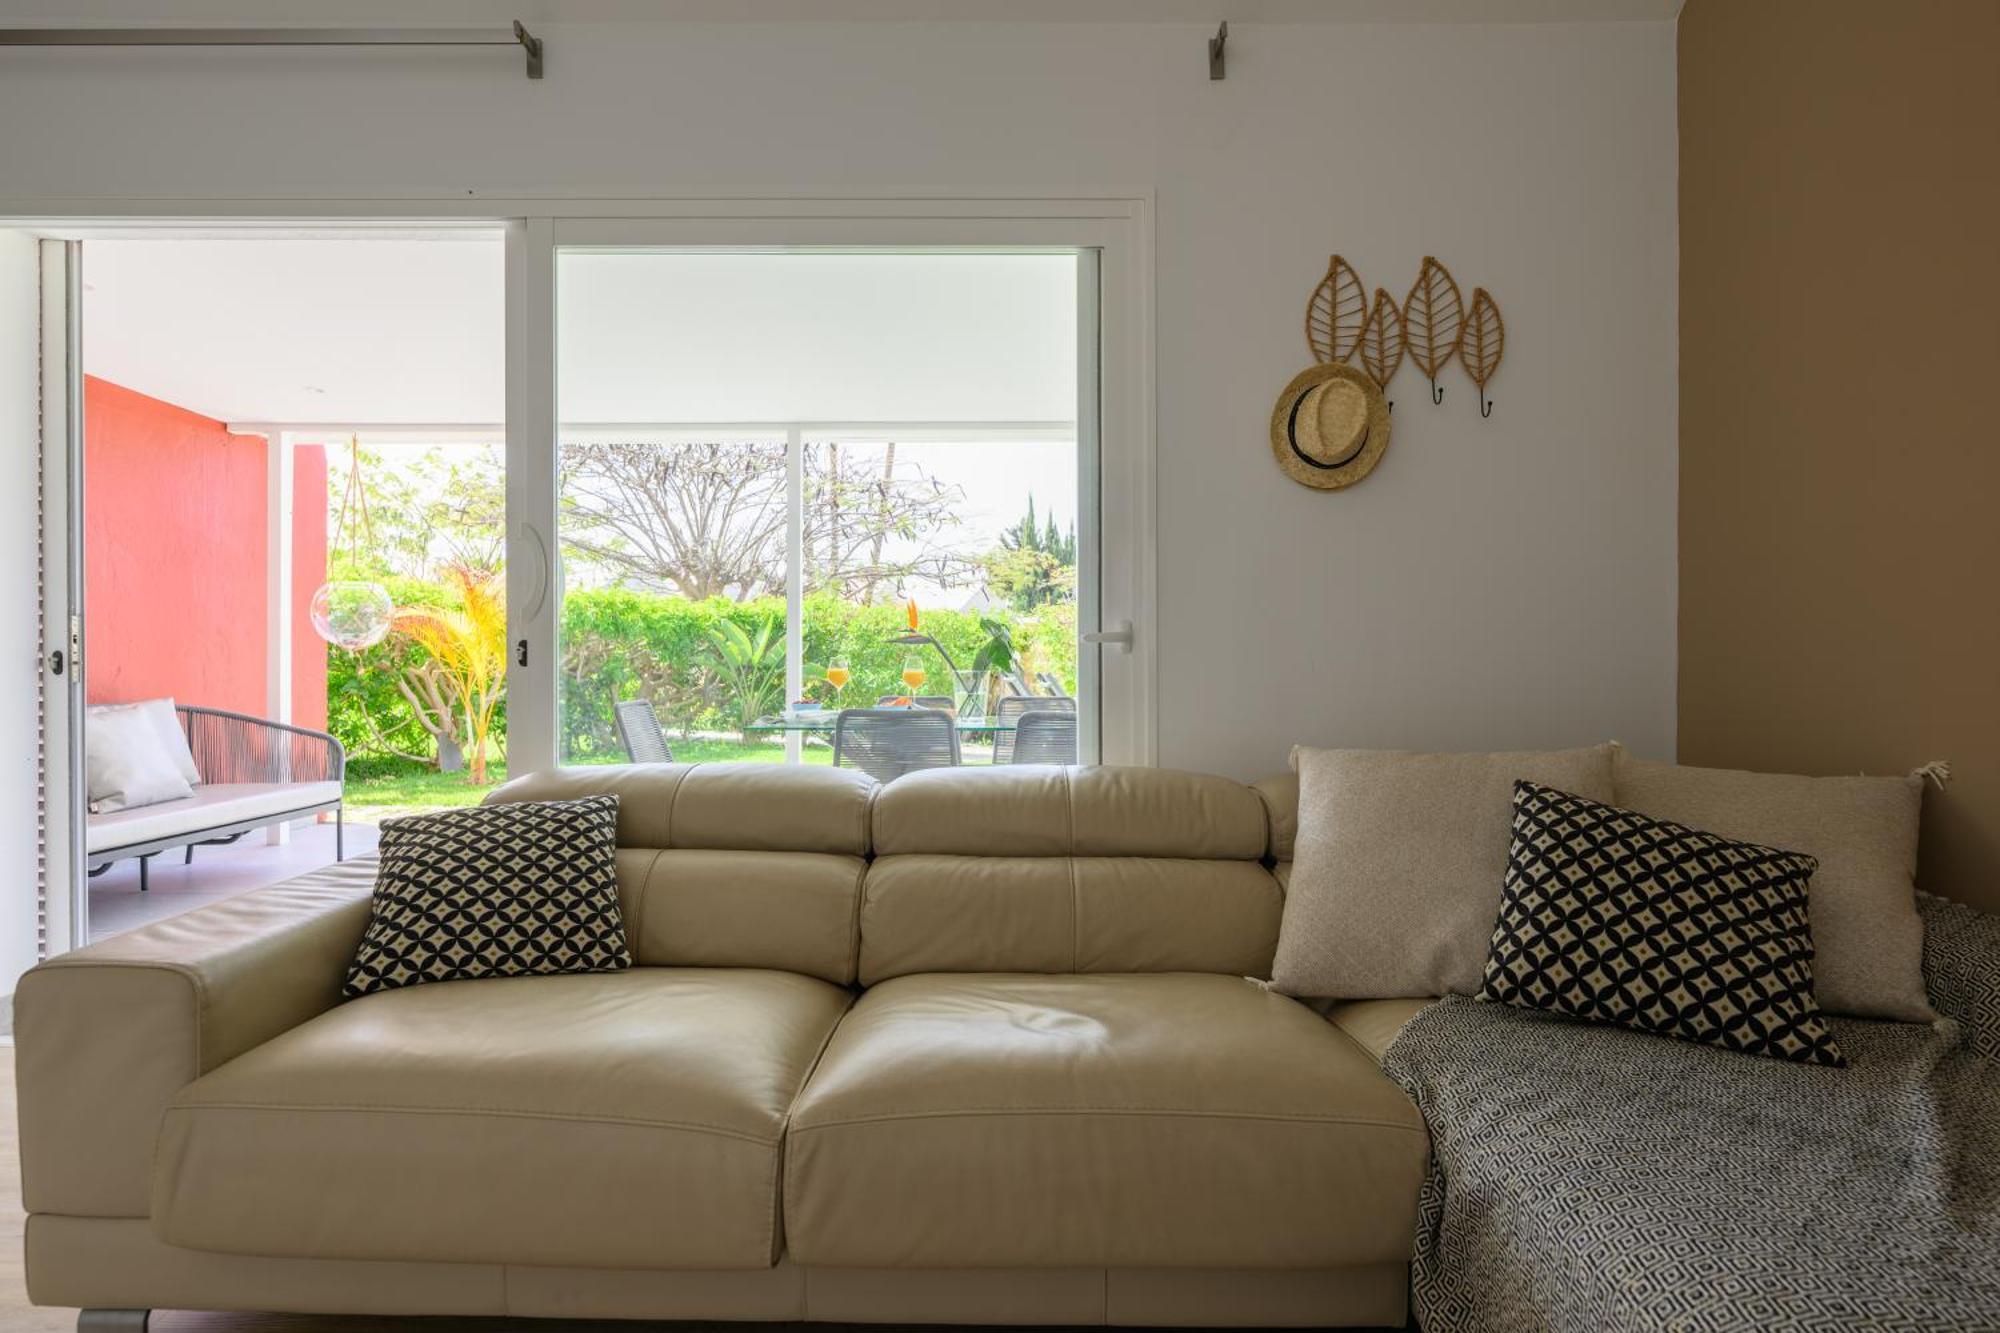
(254, 773)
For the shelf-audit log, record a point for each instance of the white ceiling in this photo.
(410, 329)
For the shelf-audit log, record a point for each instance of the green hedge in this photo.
(620, 644)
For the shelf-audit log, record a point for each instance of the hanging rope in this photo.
(353, 521)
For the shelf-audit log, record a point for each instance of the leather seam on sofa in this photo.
(1069, 815)
(673, 805)
(781, 1165)
(1078, 1112)
(854, 935)
(868, 832)
(635, 929)
(629, 1122)
(1075, 915)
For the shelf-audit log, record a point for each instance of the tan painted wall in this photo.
(1840, 400)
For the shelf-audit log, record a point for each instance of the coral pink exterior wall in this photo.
(174, 552)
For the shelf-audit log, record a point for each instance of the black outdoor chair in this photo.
(1043, 737)
(1012, 708)
(639, 729)
(886, 743)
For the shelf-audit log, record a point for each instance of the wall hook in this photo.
(1485, 407)
(1437, 392)
(1216, 46)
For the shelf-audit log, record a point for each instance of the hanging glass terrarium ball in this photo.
(352, 614)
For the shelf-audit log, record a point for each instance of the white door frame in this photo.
(66, 898)
(1116, 227)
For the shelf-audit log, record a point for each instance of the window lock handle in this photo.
(1120, 633)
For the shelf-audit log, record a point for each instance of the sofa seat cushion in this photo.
(619, 1120)
(1106, 1120)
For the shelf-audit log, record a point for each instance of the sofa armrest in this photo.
(106, 1035)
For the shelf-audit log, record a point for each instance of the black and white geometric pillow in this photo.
(494, 891)
(1617, 917)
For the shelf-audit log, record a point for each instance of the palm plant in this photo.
(456, 689)
(751, 665)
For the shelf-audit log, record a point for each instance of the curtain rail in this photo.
(520, 37)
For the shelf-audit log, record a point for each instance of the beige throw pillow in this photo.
(1868, 941)
(1396, 882)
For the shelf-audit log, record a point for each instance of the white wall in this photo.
(1502, 582)
(20, 595)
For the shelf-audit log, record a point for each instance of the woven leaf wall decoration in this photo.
(1382, 340)
(1483, 343)
(1334, 314)
(1433, 320)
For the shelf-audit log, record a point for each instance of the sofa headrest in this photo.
(1091, 811)
(1281, 809)
(735, 807)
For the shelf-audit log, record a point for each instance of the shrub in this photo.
(618, 644)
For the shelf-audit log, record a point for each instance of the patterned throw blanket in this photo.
(1593, 1179)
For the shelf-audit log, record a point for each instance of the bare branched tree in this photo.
(705, 520)
(701, 520)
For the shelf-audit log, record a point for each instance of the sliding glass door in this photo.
(789, 483)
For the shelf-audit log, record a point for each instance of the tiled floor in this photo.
(116, 905)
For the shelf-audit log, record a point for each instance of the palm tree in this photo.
(457, 690)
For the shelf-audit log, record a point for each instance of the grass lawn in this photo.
(379, 788)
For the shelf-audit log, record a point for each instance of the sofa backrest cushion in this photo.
(1044, 869)
(1033, 810)
(731, 865)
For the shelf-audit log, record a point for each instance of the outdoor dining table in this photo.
(822, 723)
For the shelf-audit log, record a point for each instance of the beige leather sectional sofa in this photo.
(977, 1046)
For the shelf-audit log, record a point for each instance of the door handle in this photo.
(538, 571)
(1120, 633)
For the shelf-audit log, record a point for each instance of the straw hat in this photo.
(1330, 427)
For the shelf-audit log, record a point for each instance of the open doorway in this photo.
(291, 505)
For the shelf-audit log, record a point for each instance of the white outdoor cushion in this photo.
(166, 724)
(210, 806)
(124, 764)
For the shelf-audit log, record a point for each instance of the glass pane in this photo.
(674, 566)
(869, 437)
(922, 560)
